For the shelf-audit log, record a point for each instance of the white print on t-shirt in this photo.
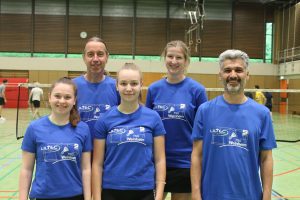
(54, 153)
(171, 111)
(124, 135)
(92, 112)
(224, 136)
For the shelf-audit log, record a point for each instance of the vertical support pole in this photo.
(67, 28)
(283, 97)
(32, 27)
(134, 30)
(168, 22)
(100, 18)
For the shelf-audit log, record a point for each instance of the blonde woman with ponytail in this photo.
(176, 99)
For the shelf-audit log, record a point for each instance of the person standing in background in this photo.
(36, 95)
(176, 99)
(30, 102)
(96, 92)
(2, 99)
(269, 102)
(259, 96)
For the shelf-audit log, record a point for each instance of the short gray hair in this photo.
(233, 54)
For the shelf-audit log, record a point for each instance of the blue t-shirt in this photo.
(58, 152)
(129, 155)
(177, 105)
(94, 99)
(233, 136)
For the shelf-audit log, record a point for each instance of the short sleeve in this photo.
(197, 133)
(148, 99)
(201, 96)
(100, 130)
(29, 141)
(87, 145)
(267, 137)
(158, 126)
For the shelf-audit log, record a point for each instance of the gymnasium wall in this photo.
(130, 29)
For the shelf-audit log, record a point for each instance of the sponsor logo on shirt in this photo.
(90, 112)
(171, 111)
(55, 153)
(125, 135)
(224, 136)
(85, 108)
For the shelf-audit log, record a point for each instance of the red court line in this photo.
(6, 197)
(9, 190)
(287, 172)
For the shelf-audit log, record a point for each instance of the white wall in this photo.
(290, 70)
(77, 64)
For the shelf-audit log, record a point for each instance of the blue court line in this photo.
(287, 146)
(14, 157)
(7, 135)
(277, 195)
(8, 145)
(6, 164)
(291, 149)
(283, 158)
(17, 167)
(9, 153)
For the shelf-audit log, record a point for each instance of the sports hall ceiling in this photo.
(274, 2)
(268, 2)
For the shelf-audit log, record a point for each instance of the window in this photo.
(269, 43)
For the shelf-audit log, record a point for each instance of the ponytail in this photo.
(74, 116)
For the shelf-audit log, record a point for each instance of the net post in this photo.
(18, 106)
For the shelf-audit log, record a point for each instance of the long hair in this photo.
(74, 114)
(95, 39)
(178, 43)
